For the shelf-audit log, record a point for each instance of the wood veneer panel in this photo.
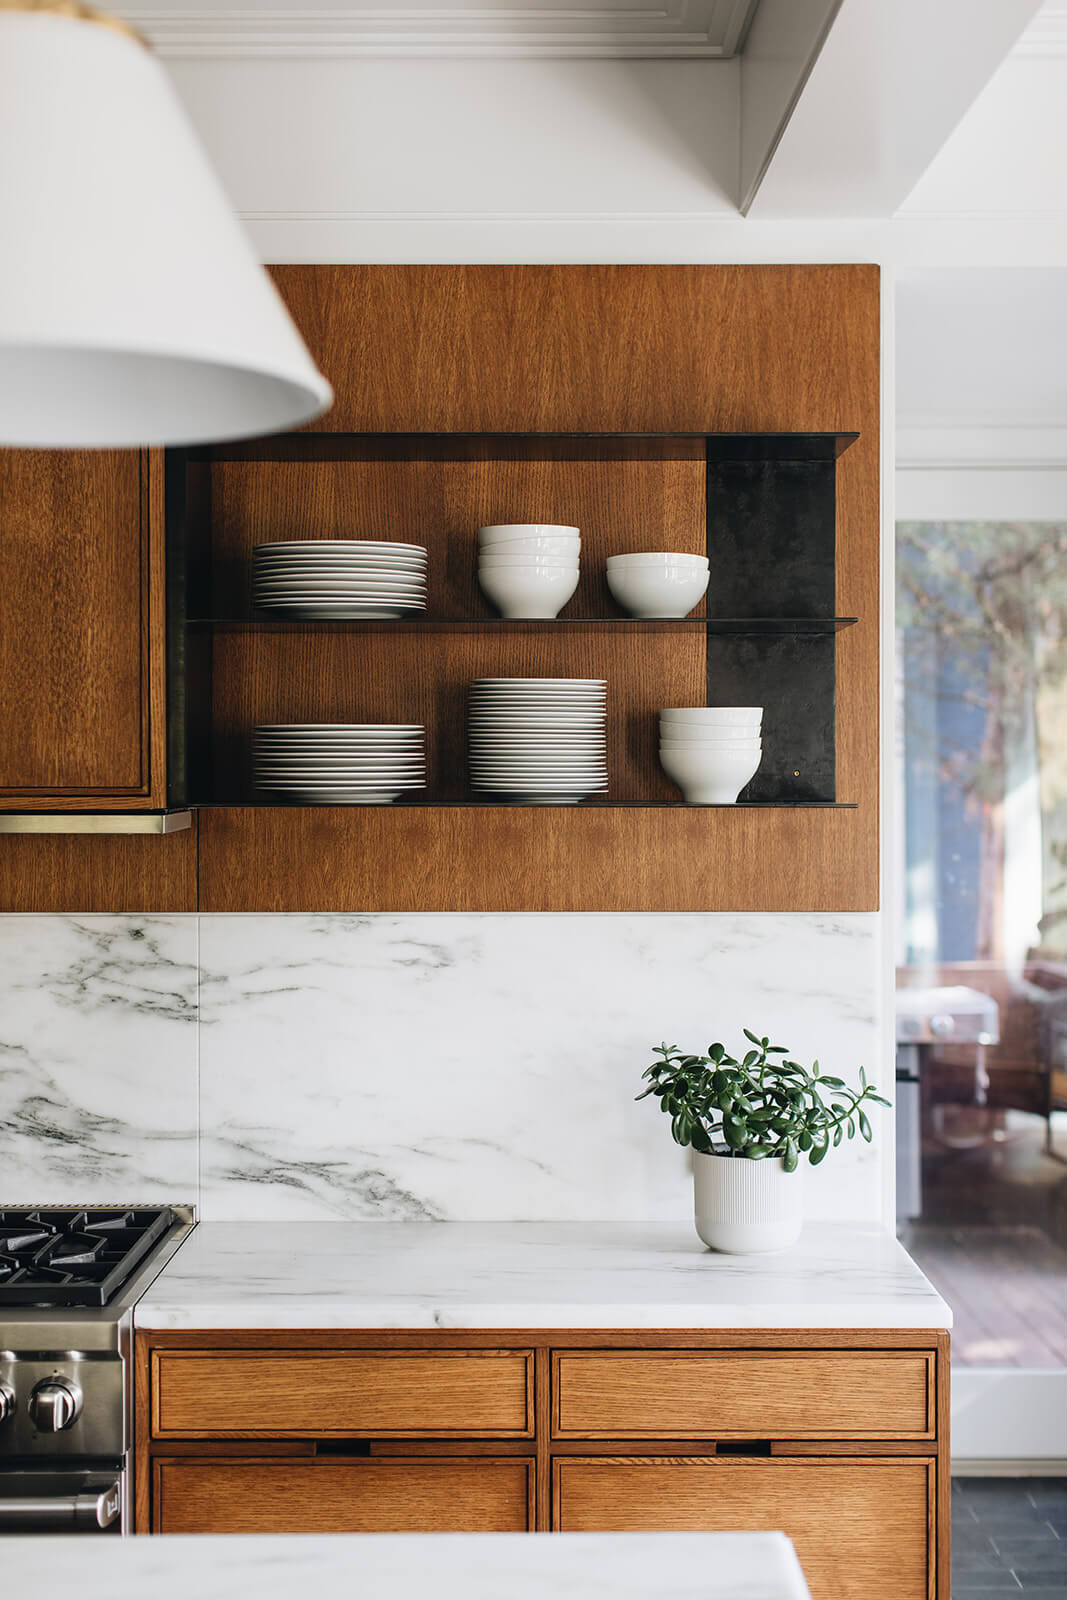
(602, 349)
(810, 1394)
(75, 580)
(381, 1496)
(99, 872)
(325, 1395)
(532, 858)
(615, 349)
(860, 1526)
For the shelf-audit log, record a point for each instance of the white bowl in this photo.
(710, 778)
(544, 546)
(657, 592)
(712, 746)
(528, 591)
(686, 733)
(657, 558)
(710, 716)
(510, 557)
(503, 532)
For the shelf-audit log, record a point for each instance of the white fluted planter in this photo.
(747, 1207)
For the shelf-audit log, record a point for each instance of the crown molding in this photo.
(686, 29)
(1046, 37)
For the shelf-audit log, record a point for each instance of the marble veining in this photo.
(454, 1067)
(532, 1275)
(453, 1566)
(98, 1059)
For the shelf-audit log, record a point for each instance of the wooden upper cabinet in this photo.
(82, 724)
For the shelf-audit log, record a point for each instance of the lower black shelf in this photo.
(499, 805)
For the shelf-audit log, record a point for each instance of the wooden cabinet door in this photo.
(861, 1526)
(386, 1495)
(81, 642)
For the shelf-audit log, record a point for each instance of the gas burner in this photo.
(73, 1258)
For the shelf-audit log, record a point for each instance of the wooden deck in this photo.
(1007, 1287)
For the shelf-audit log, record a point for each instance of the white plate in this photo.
(330, 590)
(339, 727)
(374, 558)
(348, 613)
(339, 544)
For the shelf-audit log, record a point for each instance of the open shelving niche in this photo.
(761, 506)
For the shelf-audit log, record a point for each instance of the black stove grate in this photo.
(73, 1258)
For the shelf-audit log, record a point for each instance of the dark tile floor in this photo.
(1009, 1536)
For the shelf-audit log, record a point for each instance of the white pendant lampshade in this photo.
(132, 308)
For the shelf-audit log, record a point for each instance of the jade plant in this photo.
(762, 1105)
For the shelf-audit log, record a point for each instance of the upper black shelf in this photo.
(338, 446)
(418, 624)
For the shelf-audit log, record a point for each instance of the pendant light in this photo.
(132, 308)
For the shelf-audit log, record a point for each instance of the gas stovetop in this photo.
(73, 1258)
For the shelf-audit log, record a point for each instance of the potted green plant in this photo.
(749, 1122)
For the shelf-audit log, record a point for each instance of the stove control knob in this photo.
(7, 1402)
(55, 1404)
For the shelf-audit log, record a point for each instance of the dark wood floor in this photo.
(1007, 1288)
(993, 1237)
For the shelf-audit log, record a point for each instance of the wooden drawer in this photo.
(394, 1495)
(861, 1526)
(323, 1394)
(817, 1394)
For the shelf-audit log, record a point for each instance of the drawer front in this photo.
(860, 1526)
(323, 1394)
(456, 1495)
(820, 1394)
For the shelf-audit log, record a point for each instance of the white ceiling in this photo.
(621, 29)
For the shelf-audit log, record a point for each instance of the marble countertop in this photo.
(483, 1566)
(532, 1275)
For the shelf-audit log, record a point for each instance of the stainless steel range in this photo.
(69, 1279)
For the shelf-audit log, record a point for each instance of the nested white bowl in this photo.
(685, 733)
(657, 591)
(505, 532)
(656, 559)
(527, 591)
(510, 557)
(701, 746)
(546, 545)
(710, 779)
(711, 715)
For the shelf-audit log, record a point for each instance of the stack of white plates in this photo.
(339, 763)
(323, 578)
(539, 741)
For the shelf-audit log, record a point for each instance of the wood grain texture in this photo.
(623, 494)
(531, 858)
(425, 678)
(743, 1395)
(81, 646)
(98, 872)
(941, 1521)
(387, 1496)
(329, 1395)
(859, 1526)
(603, 349)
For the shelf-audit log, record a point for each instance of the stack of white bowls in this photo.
(539, 741)
(345, 578)
(711, 752)
(658, 583)
(528, 569)
(339, 763)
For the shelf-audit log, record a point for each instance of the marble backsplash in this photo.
(424, 1066)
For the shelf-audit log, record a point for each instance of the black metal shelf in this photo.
(754, 626)
(602, 803)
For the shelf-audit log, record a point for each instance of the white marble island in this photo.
(532, 1275)
(631, 1566)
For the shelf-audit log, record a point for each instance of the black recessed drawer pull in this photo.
(743, 1447)
(342, 1447)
